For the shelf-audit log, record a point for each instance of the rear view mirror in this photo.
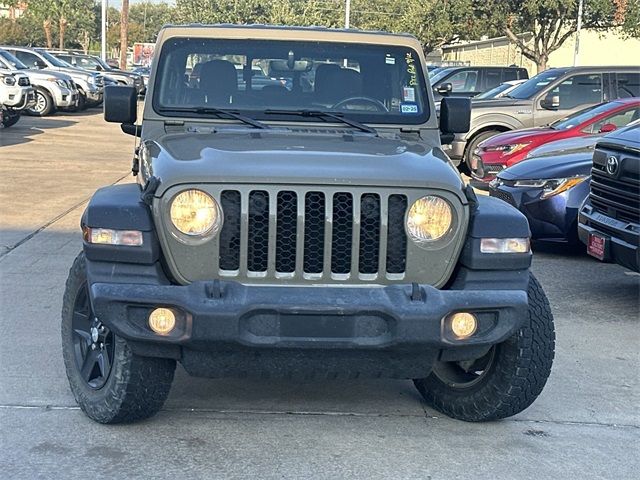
(284, 66)
(550, 102)
(608, 127)
(455, 115)
(444, 88)
(120, 104)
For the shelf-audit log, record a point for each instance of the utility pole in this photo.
(576, 52)
(124, 34)
(103, 21)
(347, 14)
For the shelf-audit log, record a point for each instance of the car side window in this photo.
(492, 78)
(465, 81)
(619, 119)
(29, 59)
(579, 90)
(628, 84)
(509, 74)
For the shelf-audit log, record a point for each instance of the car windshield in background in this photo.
(53, 60)
(579, 117)
(439, 75)
(535, 84)
(11, 60)
(494, 92)
(372, 83)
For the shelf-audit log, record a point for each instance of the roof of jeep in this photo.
(265, 32)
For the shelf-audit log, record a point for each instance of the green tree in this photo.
(553, 22)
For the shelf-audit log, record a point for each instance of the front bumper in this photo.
(622, 239)
(226, 328)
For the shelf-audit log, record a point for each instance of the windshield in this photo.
(535, 84)
(56, 62)
(435, 78)
(494, 92)
(12, 61)
(580, 117)
(370, 83)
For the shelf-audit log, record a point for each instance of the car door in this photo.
(30, 59)
(627, 84)
(465, 83)
(620, 119)
(572, 93)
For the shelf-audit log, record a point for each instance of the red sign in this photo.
(596, 246)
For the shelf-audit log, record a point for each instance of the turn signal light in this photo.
(463, 324)
(162, 321)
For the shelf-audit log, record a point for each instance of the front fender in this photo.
(488, 120)
(119, 207)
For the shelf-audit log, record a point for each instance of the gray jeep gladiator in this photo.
(295, 216)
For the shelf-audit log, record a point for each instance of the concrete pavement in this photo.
(585, 424)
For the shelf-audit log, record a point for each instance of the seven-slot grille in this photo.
(616, 195)
(312, 233)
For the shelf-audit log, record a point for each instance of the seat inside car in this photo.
(334, 83)
(218, 82)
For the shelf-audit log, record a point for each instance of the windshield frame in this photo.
(556, 73)
(259, 113)
(14, 62)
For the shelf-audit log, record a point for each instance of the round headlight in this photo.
(194, 213)
(9, 80)
(429, 219)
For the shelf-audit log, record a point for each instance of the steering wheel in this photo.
(377, 104)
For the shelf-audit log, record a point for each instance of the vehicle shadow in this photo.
(577, 250)
(29, 127)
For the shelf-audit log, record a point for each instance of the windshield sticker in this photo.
(389, 60)
(409, 94)
(411, 70)
(409, 108)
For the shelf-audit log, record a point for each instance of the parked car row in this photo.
(549, 96)
(16, 95)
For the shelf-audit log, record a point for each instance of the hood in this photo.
(521, 136)
(76, 72)
(46, 73)
(566, 145)
(560, 166)
(282, 156)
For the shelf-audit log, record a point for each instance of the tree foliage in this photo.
(553, 22)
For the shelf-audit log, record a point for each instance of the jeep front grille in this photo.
(312, 234)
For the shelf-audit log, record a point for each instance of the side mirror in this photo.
(120, 104)
(608, 127)
(99, 68)
(455, 115)
(40, 64)
(550, 102)
(444, 88)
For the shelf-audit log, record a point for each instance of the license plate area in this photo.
(597, 246)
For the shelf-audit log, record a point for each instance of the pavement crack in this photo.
(7, 249)
(320, 413)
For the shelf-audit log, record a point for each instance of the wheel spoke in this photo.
(87, 366)
(104, 363)
(86, 336)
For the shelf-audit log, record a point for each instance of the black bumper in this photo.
(231, 329)
(622, 238)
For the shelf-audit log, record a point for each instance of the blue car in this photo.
(549, 188)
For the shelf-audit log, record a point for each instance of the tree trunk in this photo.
(46, 24)
(124, 33)
(541, 62)
(63, 29)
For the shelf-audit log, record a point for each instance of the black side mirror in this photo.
(120, 104)
(550, 102)
(40, 64)
(444, 88)
(455, 115)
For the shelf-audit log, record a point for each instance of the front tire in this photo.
(44, 104)
(506, 380)
(109, 382)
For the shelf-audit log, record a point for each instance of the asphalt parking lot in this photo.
(586, 424)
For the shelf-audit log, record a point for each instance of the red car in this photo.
(508, 148)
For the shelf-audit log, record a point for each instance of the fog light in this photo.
(463, 324)
(162, 321)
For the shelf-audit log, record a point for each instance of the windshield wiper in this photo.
(217, 111)
(319, 113)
